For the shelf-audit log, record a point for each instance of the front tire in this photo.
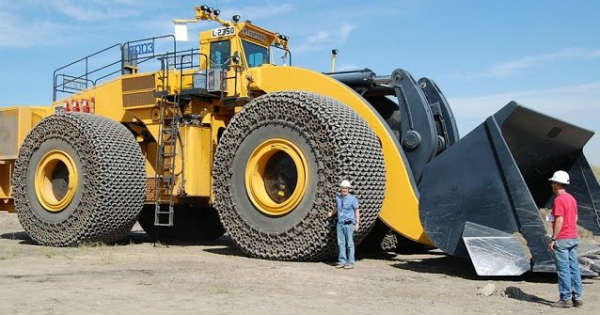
(277, 170)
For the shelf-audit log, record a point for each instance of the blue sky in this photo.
(482, 54)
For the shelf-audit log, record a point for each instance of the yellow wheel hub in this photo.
(276, 176)
(56, 180)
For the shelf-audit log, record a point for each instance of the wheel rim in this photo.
(276, 177)
(56, 180)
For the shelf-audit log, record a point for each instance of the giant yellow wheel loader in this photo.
(221, 139)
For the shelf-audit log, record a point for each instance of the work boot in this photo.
(349, 267)
(577, 303)
(339, 266)
(562, 304)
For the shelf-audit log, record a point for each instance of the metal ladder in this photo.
(165, 162)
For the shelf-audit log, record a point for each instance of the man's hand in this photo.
(551, 246)
(330, 214)
(356, 227)
(558, 224)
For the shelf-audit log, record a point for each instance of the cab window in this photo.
(220, 53)
(256, 55)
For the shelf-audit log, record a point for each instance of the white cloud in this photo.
(558, 101)
(21, 33)
(577, 104)
(18, 29)
(96, 10)
(345, 31)
(326, 38)
(257, 12)
(511, 67)
(319, 37)
(347, 67)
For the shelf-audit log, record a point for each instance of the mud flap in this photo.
(496, 177)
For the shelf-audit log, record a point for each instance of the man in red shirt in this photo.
(564, 243)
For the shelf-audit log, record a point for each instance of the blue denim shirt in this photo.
(346, 207)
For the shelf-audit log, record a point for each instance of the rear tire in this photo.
(106, 178)
(190, 224)
(331, 141)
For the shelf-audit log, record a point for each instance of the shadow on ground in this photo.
(134, 237)
(420, 260)
(459, 267)
(226, 251)
(518, 294)
(19, 236)
(362, 253)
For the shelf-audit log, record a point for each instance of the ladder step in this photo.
(168, 142)
(170, 116)
(163, 208)
(159, 214)
(165, 178)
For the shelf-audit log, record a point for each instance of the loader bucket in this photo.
(481, 198)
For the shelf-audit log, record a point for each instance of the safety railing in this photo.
(187, 60)
(132, 54)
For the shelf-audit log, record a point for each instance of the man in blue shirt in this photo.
(348, 216)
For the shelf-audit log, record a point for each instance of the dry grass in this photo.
(596, 171)
(103, 254)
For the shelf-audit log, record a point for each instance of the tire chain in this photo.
(344, 147)
(381, 238)
(114, 180)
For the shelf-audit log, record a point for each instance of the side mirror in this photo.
(236, 58)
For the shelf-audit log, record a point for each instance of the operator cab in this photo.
(220, 52)
(242, 43)
(231, 49)
(256, 55)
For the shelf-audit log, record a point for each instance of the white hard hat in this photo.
(560, 177)
(345, 183)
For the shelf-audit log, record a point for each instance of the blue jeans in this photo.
(345, 238)
(567, 267)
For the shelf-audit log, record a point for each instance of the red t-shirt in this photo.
(566, 206)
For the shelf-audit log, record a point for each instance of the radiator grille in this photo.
(139, 83)
(139, 99)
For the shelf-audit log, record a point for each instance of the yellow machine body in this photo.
(400, 208)
(131, 100)
(15, 124)
(218, 156)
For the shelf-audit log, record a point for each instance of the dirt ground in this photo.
(140, 278)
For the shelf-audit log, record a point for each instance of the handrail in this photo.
(133, 57)
(125, 59)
